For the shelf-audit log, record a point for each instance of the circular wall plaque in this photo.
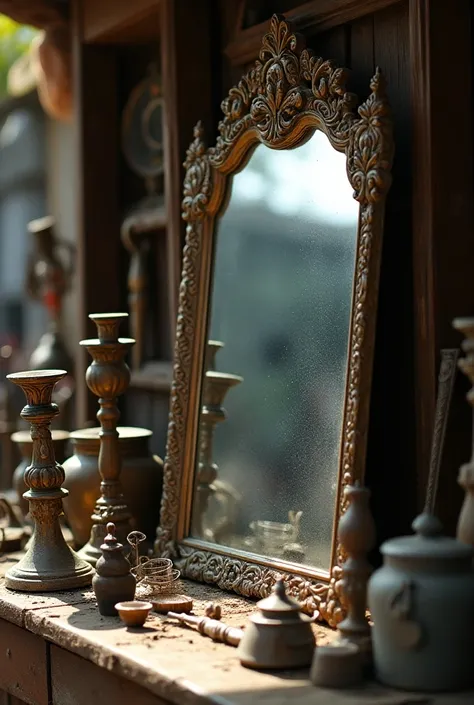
(142, 128)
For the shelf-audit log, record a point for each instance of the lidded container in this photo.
(113, 581)
(278, 635)
(422, 606)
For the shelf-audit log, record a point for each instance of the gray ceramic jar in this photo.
(422, 605)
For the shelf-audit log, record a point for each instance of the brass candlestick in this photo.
(215, 388)
(108, 377)
(465, 528)
(49, 563)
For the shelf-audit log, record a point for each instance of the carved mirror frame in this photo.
(287, 95)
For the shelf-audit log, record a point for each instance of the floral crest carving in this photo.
(285, 82)
(280, 101)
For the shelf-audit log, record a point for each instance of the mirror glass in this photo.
(270, 427)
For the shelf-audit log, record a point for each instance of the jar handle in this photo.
(405, 631)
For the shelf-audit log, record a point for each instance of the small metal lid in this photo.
(427, 543)
(111, 543)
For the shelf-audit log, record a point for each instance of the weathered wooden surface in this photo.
(174, 663)
(23, 665)
(75, 681)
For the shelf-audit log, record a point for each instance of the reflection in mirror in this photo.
(270, 429)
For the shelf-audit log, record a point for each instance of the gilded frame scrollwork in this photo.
(280, 102)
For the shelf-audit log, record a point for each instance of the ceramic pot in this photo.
(141, 477)
(422, 606)
(25, 445)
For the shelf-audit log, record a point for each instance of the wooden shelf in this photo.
(120, 21)
(96, 659)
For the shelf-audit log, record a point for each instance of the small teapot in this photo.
(278, 635)
(422, 605)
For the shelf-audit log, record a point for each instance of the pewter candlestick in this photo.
(108, 377)
(465, 529)
(357, 536)
(49, 563)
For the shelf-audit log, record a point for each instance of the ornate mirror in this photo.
(275, 333)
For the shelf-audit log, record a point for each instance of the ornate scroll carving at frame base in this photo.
(254, 580)
(287, 95)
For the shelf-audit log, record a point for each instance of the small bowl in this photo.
(133, 613)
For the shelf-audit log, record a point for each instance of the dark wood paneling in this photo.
(391, 463)
(23, 665)
(309, 18)
(187, 75)
(442, 221)
(361, 54)
(425, 347)
(75, 681)
(332, 44)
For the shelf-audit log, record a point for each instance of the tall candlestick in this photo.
(108, 377)
(49, 563)
(357, 536)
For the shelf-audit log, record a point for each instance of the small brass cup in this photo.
(133, 613)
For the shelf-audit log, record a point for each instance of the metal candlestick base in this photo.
(108, 377)
(49, 563)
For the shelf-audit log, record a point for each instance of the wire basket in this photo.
(155, 576)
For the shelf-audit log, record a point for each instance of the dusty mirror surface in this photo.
(271, 413)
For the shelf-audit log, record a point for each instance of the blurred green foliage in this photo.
(15, 40)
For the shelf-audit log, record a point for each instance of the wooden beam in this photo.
(107, 21)
(311, 17)
(96, 126)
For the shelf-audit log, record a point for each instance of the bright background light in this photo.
(310, 181)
